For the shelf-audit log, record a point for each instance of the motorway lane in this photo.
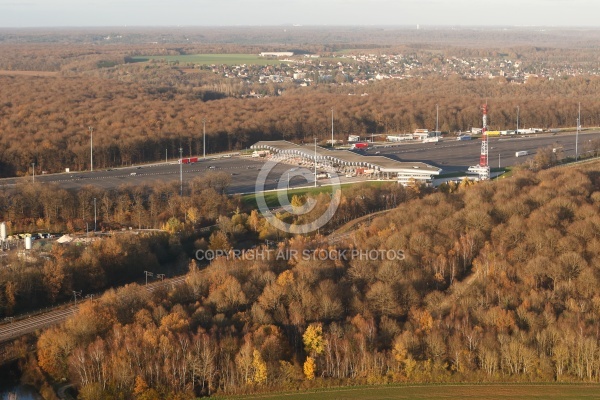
(450, 155)
(453, 155)
(244, 172)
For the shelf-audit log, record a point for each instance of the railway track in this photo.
(26, 325)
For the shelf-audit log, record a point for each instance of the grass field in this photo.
(209, 59)
(271, 198)
(446, 392)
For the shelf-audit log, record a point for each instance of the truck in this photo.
(359, 146)
(188, 160)
(521, 153)
(464, 137)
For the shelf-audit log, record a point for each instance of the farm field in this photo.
(446, 392)
(209, 59)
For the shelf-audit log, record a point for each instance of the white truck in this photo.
(521, 153)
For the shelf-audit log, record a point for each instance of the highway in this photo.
(450, 155)
(453, 155)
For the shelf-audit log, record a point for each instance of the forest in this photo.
(492, 282)
(169, 228)
(139, 110)
(498, 283)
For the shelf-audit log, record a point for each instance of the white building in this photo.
(399, 138)
(277, 54)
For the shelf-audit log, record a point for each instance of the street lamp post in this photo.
(204, 138)
(315, 161)
(517, 132)
(91, 148)
(437, 117)
(332, 142)
(180, 171)
(577, 133)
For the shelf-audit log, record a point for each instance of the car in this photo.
(377, 152)
(138, 167)
(211, 167)
(133, 174)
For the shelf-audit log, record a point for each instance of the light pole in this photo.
(166, 156)
(332, 142)
(33, 170)
(180, 171)
(499, 160)
(437, 117)
(577, 133)
(517, 132)
(204, 138)
(148, 273)
(91, 148)
(315, 161)
(94, 214)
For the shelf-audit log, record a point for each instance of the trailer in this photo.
(464, 137)
(360, 146)
(521, 153)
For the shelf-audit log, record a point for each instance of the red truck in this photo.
(360, 146)
(189, 160)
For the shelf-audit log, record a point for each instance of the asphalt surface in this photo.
(450, 155)
(453, 155)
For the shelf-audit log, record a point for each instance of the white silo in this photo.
(28, 243)
(3, 231)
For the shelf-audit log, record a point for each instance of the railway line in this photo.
(20, 326)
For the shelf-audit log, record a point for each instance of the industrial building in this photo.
(349, 162)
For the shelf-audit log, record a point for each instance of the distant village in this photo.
(361, 69)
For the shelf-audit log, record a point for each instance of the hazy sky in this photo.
(44, 13)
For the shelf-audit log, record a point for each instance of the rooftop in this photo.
(380, 163)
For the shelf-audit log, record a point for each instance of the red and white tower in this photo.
(484, 167)
(483, 159)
